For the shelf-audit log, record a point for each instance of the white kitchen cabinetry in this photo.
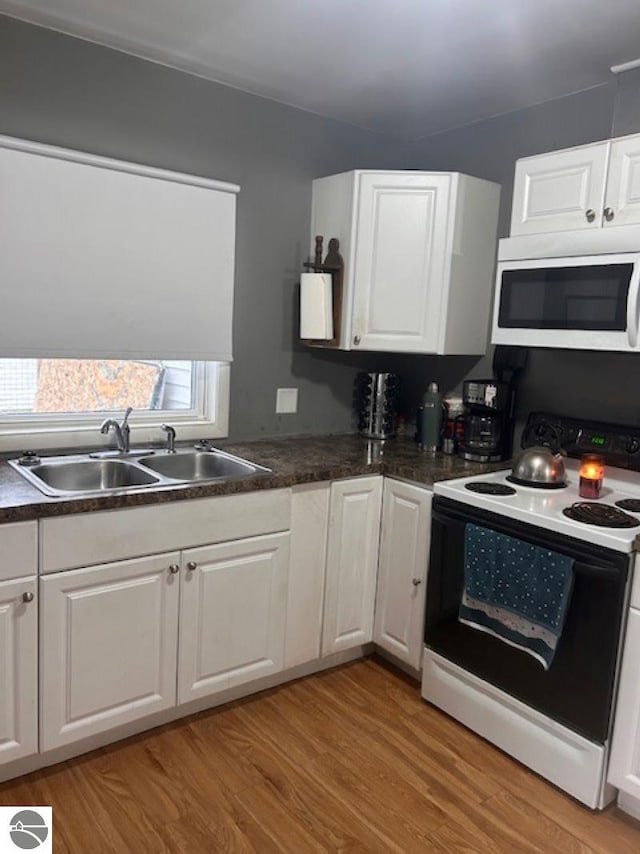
(405, 539)
(110, 635)
(352, 563)
(622, 197)
(109, 639)
(18, 669)
(624, 764)
(587, 187)
(18, 641)
(232, 614)
(305, 591)
(419, 251)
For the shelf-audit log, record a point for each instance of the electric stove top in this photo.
(546, 508)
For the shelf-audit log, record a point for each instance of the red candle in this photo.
(591, 475)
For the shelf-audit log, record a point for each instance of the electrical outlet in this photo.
(286, 401)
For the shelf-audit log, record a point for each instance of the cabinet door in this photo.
(232, 614)
(624, 764)
(352, 563)
(560, 191)
(309, 522)
(622, 199)
(399, 270)
(108, 646)
(18, 669)
(404, 554)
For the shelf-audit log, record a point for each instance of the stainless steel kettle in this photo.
(539, 466)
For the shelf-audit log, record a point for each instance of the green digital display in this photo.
(598, 440)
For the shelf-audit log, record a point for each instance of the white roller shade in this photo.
(105, 259)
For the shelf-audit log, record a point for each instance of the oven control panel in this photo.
(618, 444)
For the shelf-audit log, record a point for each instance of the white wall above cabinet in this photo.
(100, 258)
(584, 188)
(419, 251)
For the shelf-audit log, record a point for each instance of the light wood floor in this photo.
(348, 760)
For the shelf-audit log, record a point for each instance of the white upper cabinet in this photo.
(587, 187)
(560, 191)
(419, 251)
(622, 199)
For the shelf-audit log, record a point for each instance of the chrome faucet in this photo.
(122, 431)
(171, 437)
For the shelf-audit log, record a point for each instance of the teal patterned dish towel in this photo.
(515, 591)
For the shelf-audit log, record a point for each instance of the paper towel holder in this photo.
(333, 264)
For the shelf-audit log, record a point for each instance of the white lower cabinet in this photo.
(305, 590)
(624, 764)
(352, 563)
(108, 646)
(405, 539)
(18, 669)
(128, 637)
(124, 639)
(232, 614)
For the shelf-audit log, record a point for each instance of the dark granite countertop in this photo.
(293, 461)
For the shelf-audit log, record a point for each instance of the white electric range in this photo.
(545, 507)
(556, 721)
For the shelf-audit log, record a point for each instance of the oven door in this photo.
(588, 303)
(577, 690)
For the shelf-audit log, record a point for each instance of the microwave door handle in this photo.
(633, 307)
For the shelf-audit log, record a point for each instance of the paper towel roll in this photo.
(316, 306)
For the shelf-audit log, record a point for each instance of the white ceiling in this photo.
(406, 68)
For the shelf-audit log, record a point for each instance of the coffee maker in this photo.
(489, 408)
(488, 424)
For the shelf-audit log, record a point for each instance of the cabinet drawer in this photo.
(19, 550)
(91, 538)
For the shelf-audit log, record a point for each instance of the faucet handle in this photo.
(171, 437)
(127, 413)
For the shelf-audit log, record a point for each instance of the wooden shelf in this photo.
(336, 270)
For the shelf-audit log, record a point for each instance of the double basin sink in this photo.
(81, 475)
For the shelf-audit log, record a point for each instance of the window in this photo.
(53, 402)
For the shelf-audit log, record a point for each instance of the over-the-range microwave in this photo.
(587, 301)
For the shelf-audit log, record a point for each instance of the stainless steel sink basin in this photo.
(200, 465)
(60, 476)
(81, 475)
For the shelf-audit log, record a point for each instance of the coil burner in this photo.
(485, 488)
(603, 515)
(630, 504)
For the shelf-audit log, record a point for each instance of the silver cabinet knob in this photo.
(174, 568)
(609, 214)
(28, 596)
(416, 581)
(356, 339)
(192, 565)
(590, 215)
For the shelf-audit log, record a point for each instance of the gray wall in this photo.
(600, 385)
(67, 92)
(64, 91)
